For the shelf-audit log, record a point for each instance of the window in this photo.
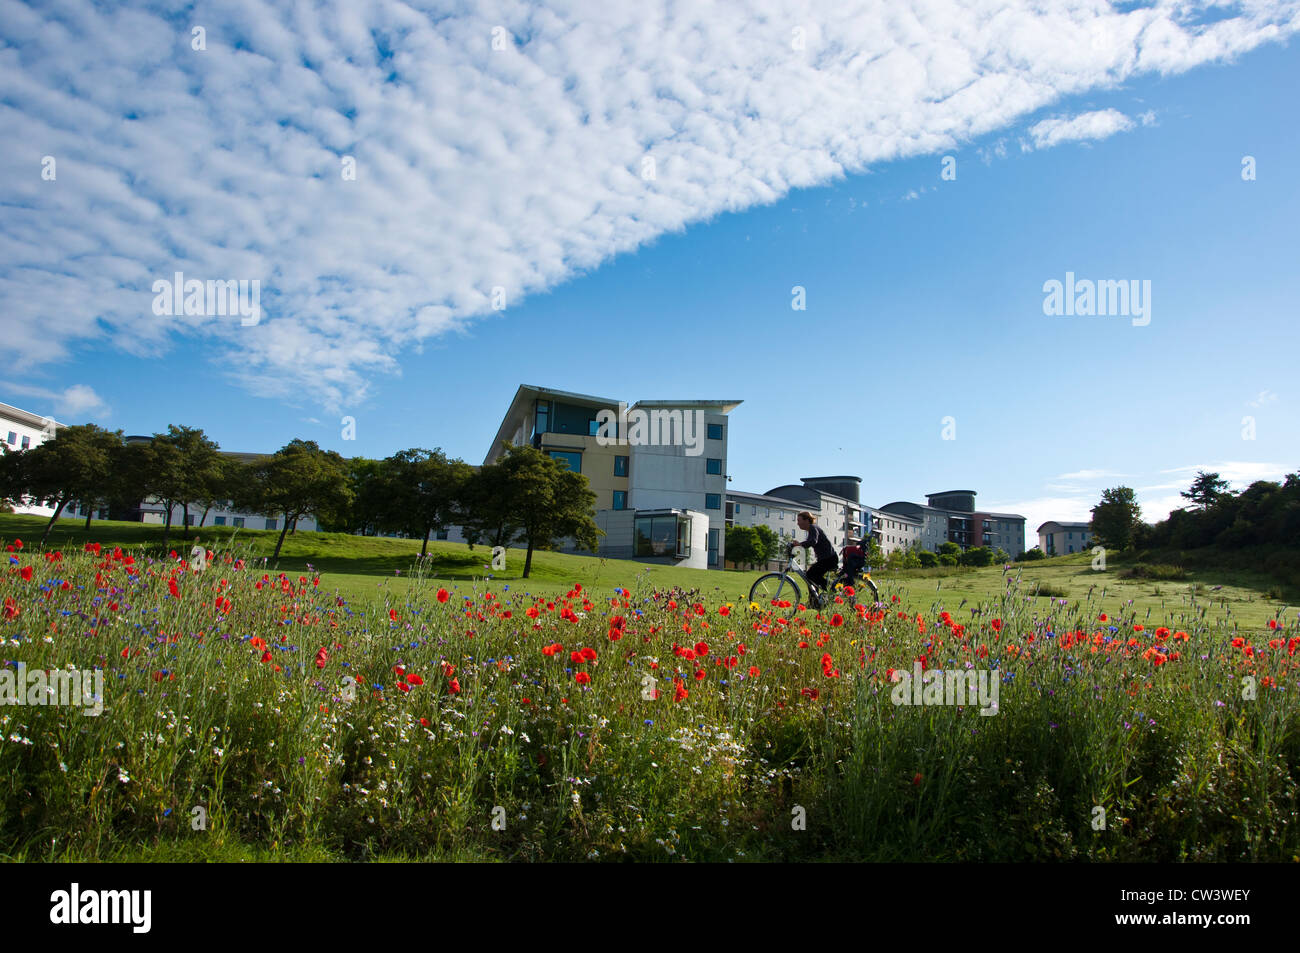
(767, 512)
(663, 536)
(620, 499)
(713, 501)
(27, 442)
(573, 459)
(714, 466)
(13, 438)
(620, 466)
(272, 524)
(442, 534)
(218, 521)
(713, 547)
(593, 427)
(543, 416)
(781, 516)
(715, 431)
(238, 522)
(753, 511)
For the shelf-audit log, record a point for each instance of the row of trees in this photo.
(1265, 513)
(415, 493)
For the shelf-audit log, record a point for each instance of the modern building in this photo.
(23, 430)
(658, 468)
(951, 516)
(1057, 538)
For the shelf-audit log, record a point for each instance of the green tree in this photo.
(13, 478)
(947, 559)
(1029, 555)
(370, 509)
(976, 556)
(769, 544)
(928, 559)
(1206, 490)
(424, 488)
(300, 479)
(950, 548)
(1115, 518)
(1001, 556)
(182, 465)
(743, 546)
(546, 499)
(75, 464)
(482, 511)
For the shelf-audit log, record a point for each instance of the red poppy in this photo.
(443, 595)
(810, 693)
(916, 779)
(424, 722)
(996, 623)
(454, 687)
(699, 674)
(415, 679)
(172, 588)
(392, 614)
(18, 544)
(266, 656)
(582, 678)
(1272, 623)
(403, 686)
(701, 649)
(26, 573)
(589, 654)
(680, 693)
(753, 671)
(576, 658)
(837, 620)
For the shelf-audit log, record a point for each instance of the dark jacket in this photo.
(820, 543)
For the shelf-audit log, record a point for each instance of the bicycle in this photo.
(785, 590)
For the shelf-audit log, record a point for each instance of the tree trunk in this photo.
(50, 525)
(88, 512)
(295, 526)
(167, 523)
(424, 547)
(204, 518)
(284, 530)
(528, 560)
(185, 520)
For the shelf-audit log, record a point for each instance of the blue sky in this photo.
(1099, 141)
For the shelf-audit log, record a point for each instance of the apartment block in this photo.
(1057, 538)
(658, 468)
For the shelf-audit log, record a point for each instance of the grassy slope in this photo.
(381, 569)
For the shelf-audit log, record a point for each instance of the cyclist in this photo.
(822, 548)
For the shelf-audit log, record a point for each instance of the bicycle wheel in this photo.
(774, 588)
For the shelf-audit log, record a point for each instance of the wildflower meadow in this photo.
(261, 709)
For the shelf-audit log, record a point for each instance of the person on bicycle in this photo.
(817, 541)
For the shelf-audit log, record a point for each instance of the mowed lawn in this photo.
(381, 570)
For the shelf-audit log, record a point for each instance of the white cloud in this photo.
(1085, 126)
(77, 403)
(1264, 398)
(477, 168)
(1089, 475)
(1238, 473)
